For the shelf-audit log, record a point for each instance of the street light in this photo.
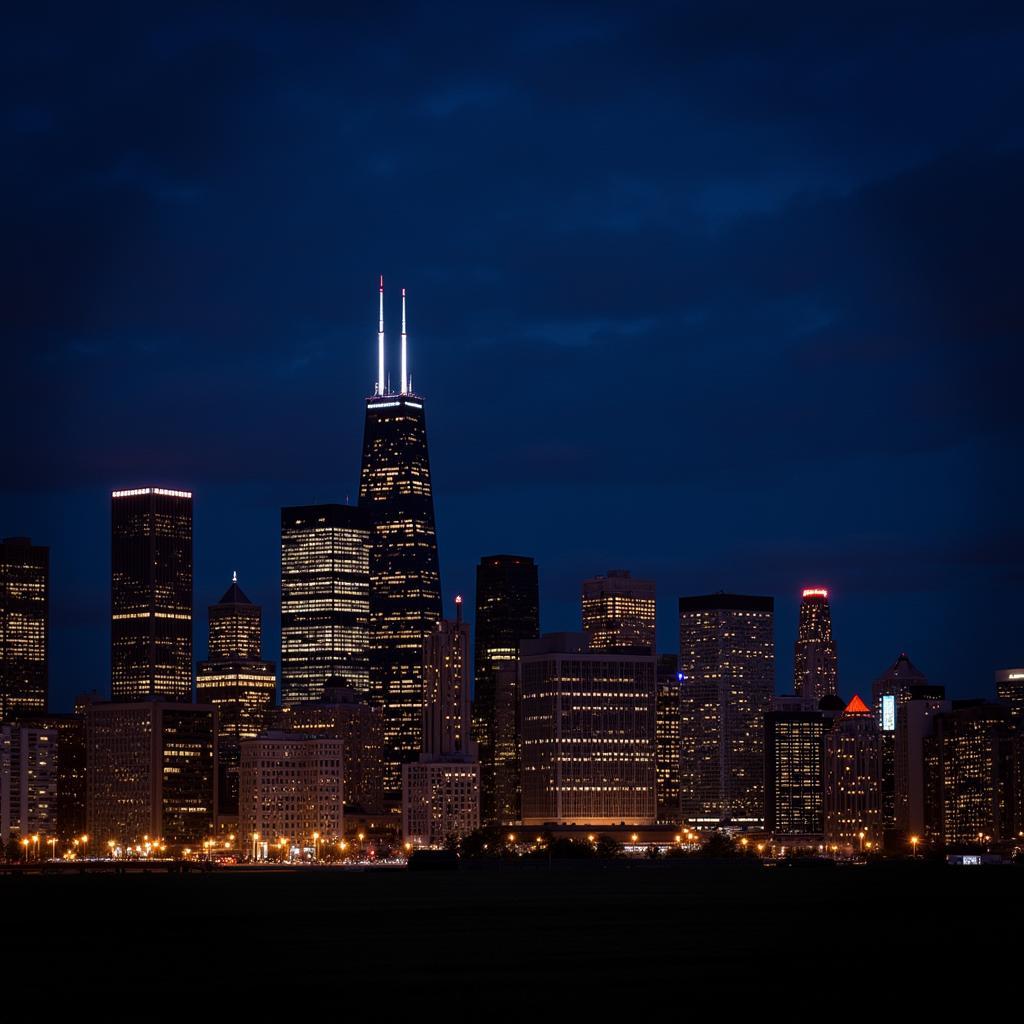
(914, 840)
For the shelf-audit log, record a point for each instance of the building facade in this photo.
(917, 711)
(619, 613)
(508, 746)
(727, 657)
(29, 782)
(794, 749)
(667, 736)
(325, 601)
(24, 627)
(291, 790)
(151, 770)
(343, 715)
(589, 737)
(507, 612)
(236, 680)
(815, 665)
(853, 781)
(440, 801)
(1010, 690)
(151, 594)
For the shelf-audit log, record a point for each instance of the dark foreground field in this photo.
(511, 936)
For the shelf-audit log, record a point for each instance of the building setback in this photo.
(237, 682)
(727, 657)
(815, 666)
(325, 601)
(507, 612)
(24, 627)
(589, 736)
(151, 769)
(405, 579)
(151, 594)
(290, 787)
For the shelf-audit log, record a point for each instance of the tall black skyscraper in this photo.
(815, 668)
(507, 611)
(151, 594)
(24, 627)
(405, 579)
(325, 601)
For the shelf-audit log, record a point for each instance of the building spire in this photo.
(380, 341)
(405, 375)
(234, 577)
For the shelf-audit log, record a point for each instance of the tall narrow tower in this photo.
(405, 580)
(815, 668)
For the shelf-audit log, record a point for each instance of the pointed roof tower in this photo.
(857, 707)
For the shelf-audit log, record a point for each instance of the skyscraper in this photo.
(325, 601)
(589, 736)
(237, 682)
(507, 611)
(151, 594)
(815, 669)
(405, 579)
(889, 694)
(508, 745)
(794, 768)
(853, 780)
(727, 657)
(618, 613)
(1010, 690)
(441, 792)
(915, 722)
(667, 734)
(24, 627)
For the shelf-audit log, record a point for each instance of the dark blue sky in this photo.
(729, 295)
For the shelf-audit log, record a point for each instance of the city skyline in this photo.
(753, 308)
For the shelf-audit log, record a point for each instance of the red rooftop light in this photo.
(857, 707)
(816, 592)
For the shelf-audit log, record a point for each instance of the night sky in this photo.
(727, 295)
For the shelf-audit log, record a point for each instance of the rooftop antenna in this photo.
(234, 577)
(405, 375)
(380, 341)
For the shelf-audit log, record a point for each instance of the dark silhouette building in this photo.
(405, 579)
(1010, 690)
(727, 657)
(24, 627)
(325, 601)
(794, 752)
(668, 737)
(815, 667)
(151, 594)
(237, 682)
(507, 612)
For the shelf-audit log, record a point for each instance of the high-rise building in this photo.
(889, 693)
(28, 782)
(151, 769)
(794, 749)
(508, 745)
(405, 578)
(325, 601)
(815, 668)
(237, 682)
(151, 594)
(972, 760)
(916, 715)
(667, 736)
(291, 791)
(343, 715)
(24, 627)
(853, 780)
(618, 613)
(727, 657)
(1010, 690)
(441, 793)
(507, 612)
(589, 736)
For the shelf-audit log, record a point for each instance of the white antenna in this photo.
(380, 341)
(405, 375)
(234, 577)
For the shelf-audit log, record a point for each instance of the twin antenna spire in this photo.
(381, 387)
